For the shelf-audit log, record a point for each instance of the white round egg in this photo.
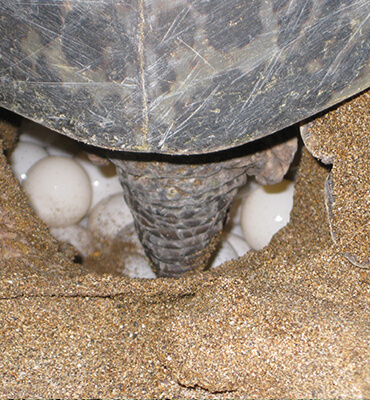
(59, 190)
(24, 156)
(136, 266)
(104, 180)
(109, 216)
(233, 224)
(238, 243)
(243, 192)
(55, 144)
(76, 235)
(265, 211)
(223, 253)
(236, 229)
(128, 234)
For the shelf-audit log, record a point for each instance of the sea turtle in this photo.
(174, 91)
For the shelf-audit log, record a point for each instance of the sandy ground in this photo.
(290, 321)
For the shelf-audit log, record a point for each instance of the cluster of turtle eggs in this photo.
(83, 203)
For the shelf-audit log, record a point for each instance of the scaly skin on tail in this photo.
(180, 206)
(178, 209)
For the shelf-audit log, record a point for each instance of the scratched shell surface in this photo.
(179, 76)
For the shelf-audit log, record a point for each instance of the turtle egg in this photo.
(24, 156)
(104, 180)
(136, 266)
(76, 235)
(59, 190)
(224, 252)
(109, 216)
(238, 243)
(265, 211)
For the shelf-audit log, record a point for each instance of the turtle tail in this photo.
(180, 203)
(179, 209)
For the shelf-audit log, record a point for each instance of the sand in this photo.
(289, 321)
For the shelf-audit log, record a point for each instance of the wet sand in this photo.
(289, 321)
